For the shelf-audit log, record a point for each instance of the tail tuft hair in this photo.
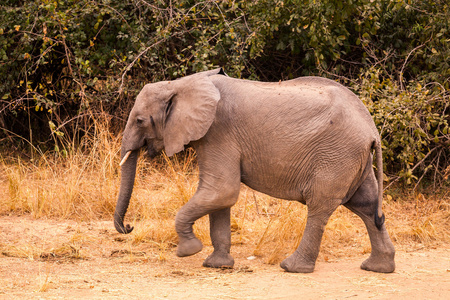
(379, 221)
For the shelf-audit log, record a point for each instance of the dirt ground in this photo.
(52, 259)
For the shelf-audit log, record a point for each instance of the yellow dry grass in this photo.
(83, 186)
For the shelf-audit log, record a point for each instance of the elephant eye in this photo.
(140, 121)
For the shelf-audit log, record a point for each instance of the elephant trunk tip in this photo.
(123, 229)
(118, 224)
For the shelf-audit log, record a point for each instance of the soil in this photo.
(64, 259)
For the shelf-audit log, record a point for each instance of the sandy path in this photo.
(421, 274)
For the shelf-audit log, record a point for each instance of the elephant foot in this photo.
(297, 264)
(219, 260)
(380, 264)
(187, 247)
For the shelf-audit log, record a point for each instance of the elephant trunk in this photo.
(128, 175)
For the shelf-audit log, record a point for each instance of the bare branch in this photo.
(406, 61)
(128, 68)
(415, 167)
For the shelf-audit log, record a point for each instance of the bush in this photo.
(413, 123)
(64, 62)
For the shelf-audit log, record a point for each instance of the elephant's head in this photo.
(166, 115)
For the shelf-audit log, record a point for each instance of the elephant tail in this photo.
(379, 216)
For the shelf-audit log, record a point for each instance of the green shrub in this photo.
(64, 62)
(413, 123)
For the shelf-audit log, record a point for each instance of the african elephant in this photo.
(308, 139)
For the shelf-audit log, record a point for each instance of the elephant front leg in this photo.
(218, 190)
(220, 232)
(188, 243)
(217, 204)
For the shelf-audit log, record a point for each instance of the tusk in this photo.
(124, 159)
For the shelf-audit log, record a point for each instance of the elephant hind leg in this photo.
(303, 260)
(364, 204)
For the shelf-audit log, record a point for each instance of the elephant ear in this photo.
(190, 112)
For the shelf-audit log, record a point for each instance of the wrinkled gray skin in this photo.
(309, 139)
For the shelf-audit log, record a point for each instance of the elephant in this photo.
(308, 139)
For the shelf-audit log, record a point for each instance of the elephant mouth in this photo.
(151, 152)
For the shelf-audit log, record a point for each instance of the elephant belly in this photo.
(274, 180)
(305, 174)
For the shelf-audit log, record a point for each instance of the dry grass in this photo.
(420, 221)
(83, 186)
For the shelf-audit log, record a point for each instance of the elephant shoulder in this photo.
(334, 89)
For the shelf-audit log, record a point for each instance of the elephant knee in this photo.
(183, 224)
